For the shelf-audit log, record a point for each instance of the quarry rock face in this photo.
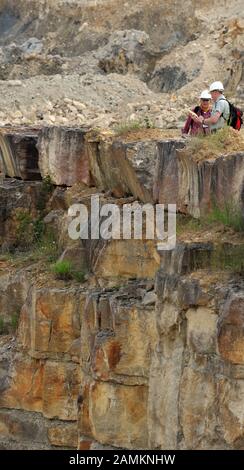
(230, 338)
(138, 259)
(146, 169)
(211, 183)
(18, 153)
(197, 187)
(191, 371)
(118, 167)
(65, 161)
(161, 171)
(110, 344)
(20, 205)
(167, 354)
(166, 184)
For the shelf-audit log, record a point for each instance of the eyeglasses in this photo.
(204, 99)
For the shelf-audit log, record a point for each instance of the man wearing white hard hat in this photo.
(221, 109)
(192, 126)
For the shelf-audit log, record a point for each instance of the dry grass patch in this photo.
(225, 141)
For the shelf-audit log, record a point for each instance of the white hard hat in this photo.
(205, 95)
(216, 86)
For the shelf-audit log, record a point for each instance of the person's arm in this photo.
(211, 120)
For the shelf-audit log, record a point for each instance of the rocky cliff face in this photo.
(144, 349)
(112, 343)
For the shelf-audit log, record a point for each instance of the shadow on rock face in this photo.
(7, 21)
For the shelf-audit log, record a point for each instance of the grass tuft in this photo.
(229, 215)
(65, 271)
(226, 140)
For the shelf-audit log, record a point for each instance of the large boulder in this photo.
(127, 51)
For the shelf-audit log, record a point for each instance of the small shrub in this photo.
(43, 246)
(46, 189)
(127, 126)
(47, 184)
(29, 231)
(24, 219)
(24, 230)
(63, 270)
(46, 247)
(38, 229)
(79, 276)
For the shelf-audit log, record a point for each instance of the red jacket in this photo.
(193, 126)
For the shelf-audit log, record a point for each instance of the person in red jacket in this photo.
(204, 109)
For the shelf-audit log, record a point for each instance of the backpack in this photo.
(235, 117)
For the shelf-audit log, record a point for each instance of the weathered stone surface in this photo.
(118, 336)
(77, 257)
(18, 152)
(136, 259)
(193, 256)
(24, 388)
(63, 155)
(169, 78)
(196, 186)
(172, 72)
(126, 51)
(29, 430)
(114, 345)
(207, 183)
(116, 413)
(63, 435)
(190, 386)
(164, 387)
(19, 202)
(201, 330)
(56, 223)
(13, 292)
(139, 368)
(231, 330)
(166, 184)
(165, 172)
(48, 387)
(197, 407)
(111, 169)
(231, 397)
(145, 372)
(61, 382)
(166, 366)
(57, 200)
(50, 321)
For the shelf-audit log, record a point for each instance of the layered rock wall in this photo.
(144, 350)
